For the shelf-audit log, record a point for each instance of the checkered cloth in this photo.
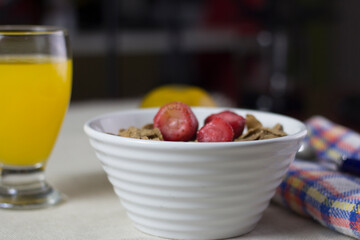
(330, 197)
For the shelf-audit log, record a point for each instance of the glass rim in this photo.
(15, 30)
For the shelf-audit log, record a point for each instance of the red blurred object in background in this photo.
(234, 14)
(21, 12)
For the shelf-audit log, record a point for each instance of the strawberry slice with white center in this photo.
(176, 122)
(217, 130)
(236, 121)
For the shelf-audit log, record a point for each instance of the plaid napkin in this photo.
(330, 197)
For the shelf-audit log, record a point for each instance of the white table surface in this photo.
(93, 211)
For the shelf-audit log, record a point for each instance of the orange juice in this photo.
(34, 95)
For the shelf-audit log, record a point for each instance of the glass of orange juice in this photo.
(35, 89)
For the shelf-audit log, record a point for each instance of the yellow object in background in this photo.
(191, 95)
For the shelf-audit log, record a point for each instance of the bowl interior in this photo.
(111, 123)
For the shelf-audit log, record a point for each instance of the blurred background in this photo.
(297, 57)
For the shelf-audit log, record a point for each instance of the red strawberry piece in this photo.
(236, 121)
(176, 122)
(217, 130)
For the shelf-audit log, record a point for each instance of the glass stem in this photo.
(26, 188)
(14, 180)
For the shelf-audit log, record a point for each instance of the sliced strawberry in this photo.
(236, 121)
(217, 130)
(176, 122)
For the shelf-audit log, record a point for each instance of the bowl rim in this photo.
(109, 138)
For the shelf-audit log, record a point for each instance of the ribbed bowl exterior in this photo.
(189, 193)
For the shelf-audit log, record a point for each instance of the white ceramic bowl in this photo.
(190, 190)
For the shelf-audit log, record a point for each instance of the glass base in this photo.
(26, 188)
